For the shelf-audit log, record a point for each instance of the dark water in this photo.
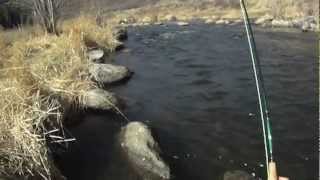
(194, 86)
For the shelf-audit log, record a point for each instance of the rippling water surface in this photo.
(194, 86)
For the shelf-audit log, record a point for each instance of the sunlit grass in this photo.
(38, 73)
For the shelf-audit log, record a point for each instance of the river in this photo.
(194, 86)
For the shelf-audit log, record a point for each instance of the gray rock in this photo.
(181, 23)
(237, 175)
(158, 23)
(222, 21)
(281, 23)
(95, 55)
(297, 23)
(264, 19)
(307, 26)
(170, 17)
(108, 73)
(209, 21)
(142, 152)
(314, 27)
(100, 99)
(237, 22)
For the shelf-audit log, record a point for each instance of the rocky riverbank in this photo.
(305, 24)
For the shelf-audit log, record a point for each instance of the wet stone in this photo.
(237, 175)
(142, 152)
(108, 73)
(100, 99)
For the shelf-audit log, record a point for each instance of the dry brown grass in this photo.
(93, 30)
(23, 117)
(39, 72)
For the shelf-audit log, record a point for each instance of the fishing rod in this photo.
(263, 104)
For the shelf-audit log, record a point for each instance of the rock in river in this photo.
(264, 19)
(181, 23)
(222, 21)
(108, 73)
(95, 55)
(281, 23)
(237, 175)
(209, 21)
(142, 152)
(100, 99)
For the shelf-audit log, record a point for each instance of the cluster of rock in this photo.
(137, 144)
(104, 74)
(305, 24)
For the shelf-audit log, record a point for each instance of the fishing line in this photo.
(263, 103)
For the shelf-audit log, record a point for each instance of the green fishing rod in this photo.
(263, 103)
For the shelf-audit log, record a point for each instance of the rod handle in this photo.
(272, 171)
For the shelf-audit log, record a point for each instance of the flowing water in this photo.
(194, 86)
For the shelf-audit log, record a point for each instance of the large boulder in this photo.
(237, 175)
(108, 73)
(100, 99)
(142, 152)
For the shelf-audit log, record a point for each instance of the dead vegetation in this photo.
(40, 72)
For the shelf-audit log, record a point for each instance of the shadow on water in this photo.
(194, 86)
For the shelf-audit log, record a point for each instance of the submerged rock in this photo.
(142, 152)
(95, 55)
(237, 175)
(108, 73)
(100, 99)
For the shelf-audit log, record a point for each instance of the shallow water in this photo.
(194, 86)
